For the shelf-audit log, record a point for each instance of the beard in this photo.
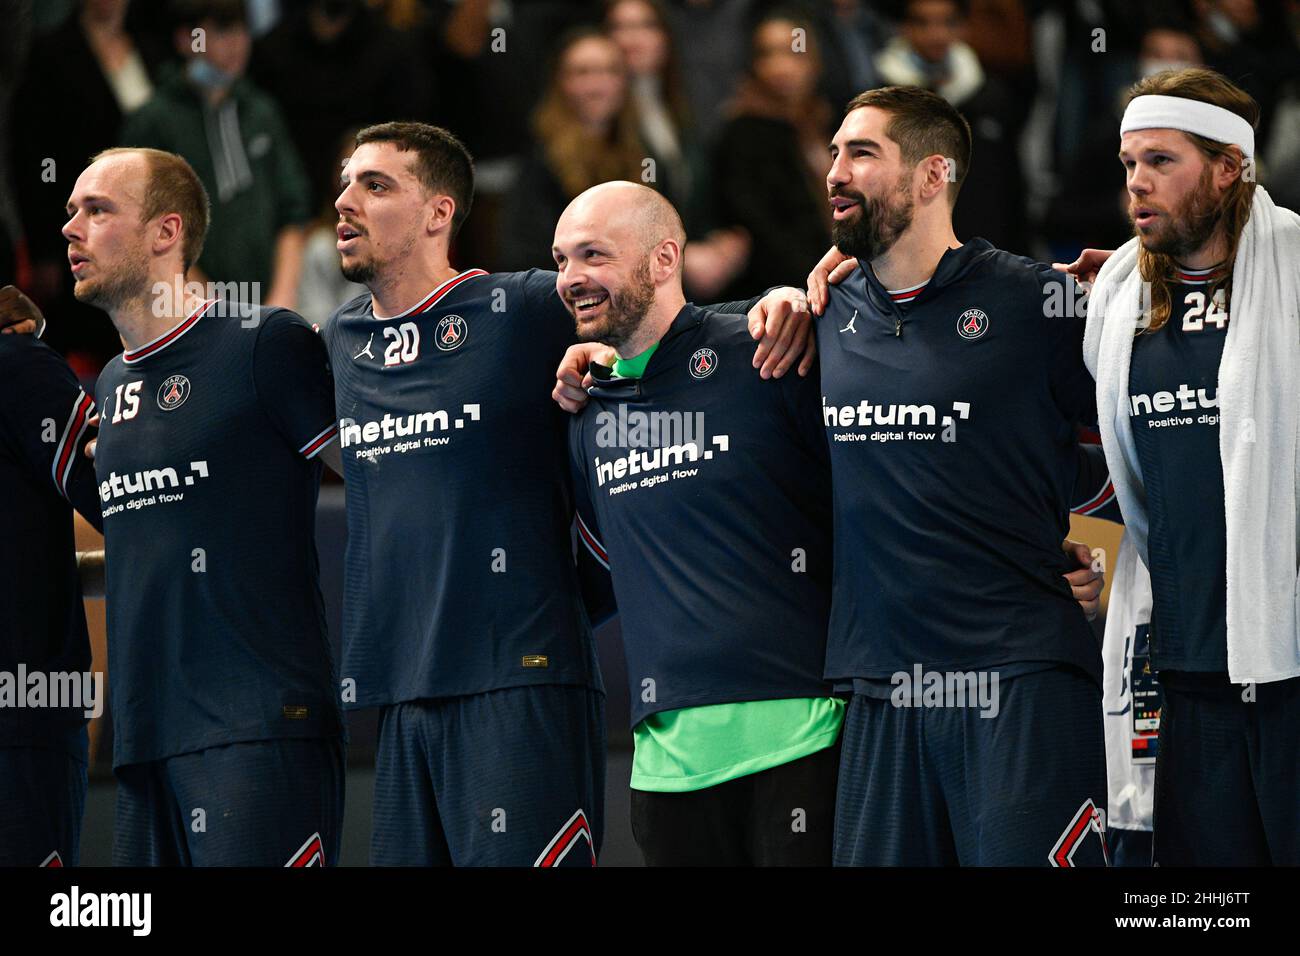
(366, 270)
(362, 271)
(878, 224)
(110, 291)
(624, 313)
(1184, 230)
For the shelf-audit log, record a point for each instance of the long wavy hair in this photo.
(1233, 210)
(674, 89)
(578, 159)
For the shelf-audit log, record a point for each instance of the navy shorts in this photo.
(261, 803)
(1228, 773)
(943, 785)
(511, 777)
(42, 798)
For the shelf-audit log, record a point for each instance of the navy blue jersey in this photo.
(706, 491)
(1174, 407)
(460, 574)
(208, 481)
(951, 424)
(44, 473)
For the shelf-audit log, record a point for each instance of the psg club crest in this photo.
(451, 333)
(703, 362)
(173, 392)
(972, 324)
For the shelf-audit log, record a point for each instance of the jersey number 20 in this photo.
(405, 344)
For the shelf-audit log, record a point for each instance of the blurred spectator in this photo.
(586, 133)
(1281, 161)
(1168, 46)
(15, 41)
(322, 288)
(1100, 42)
(263, 15)
(851, 34)
(640, 28)
(332, 65)
(711, 38)
(401, 14)
(80, 80)
(1091, 207)
(494, 55)
(999, 32)
(928, 53)
(1250, 44)
(770, 161)
(233, 135)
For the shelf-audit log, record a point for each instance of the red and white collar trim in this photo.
(430, 300)
(908, 294)
(131, 356)
(1198, 276)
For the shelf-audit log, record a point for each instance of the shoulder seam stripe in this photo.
(313, 447)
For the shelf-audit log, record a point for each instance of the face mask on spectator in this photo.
(204, 75)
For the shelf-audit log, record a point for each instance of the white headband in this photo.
(1190, 116)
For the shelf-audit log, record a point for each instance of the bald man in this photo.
(705, 492)
(736, 746)
(462, 618)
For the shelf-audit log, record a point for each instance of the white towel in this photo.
(1131, 785)
(1259, 432)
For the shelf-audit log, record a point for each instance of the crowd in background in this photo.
(726, 106)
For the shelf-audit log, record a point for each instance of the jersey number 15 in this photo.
(126, 401)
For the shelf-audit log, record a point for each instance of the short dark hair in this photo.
(923, 124)
(443, 164)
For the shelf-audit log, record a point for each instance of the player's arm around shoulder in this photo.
(573, 375)
(782, 324)
(19, 315)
